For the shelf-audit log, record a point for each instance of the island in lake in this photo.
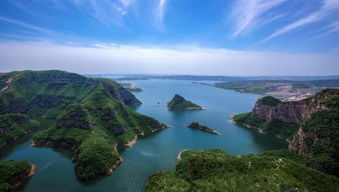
(198, 126)
(179, 103)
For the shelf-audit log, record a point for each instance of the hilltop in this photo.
(180, 103)
(89, 116)
(215, 170)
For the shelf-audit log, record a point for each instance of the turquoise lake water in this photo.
(55, 170)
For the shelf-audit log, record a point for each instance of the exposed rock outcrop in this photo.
(78, 117)
(289, 112)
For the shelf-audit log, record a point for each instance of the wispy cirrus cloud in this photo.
(105, 11)
(332, 28)
(249, 13)
(26, 25)
(328, 7)
(160, 13)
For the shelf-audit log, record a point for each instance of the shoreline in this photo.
(33, 170)
(231, 118)
(136, 137)
(257, 129)
(115, 166)
(179, 154)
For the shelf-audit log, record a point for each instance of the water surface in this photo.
(55, 170)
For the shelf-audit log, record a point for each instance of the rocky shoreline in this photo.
(33, 170)
(115, 166)
(179, 154)
(257, 129)
(134, 141)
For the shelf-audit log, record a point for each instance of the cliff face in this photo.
(316, 118)
(289, 112)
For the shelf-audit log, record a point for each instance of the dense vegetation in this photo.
(88, 116)
(13, 175)
(180, 103)
(215, 170)
(270, 101)
(321, 140)
(14, 127)
(275, 127)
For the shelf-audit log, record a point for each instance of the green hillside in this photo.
(88, 116)
(215, 170)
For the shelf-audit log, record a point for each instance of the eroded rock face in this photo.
(126, 97)
(289, 112)
(121, 94)
(49, 101)
(298, 145)
(78, 117)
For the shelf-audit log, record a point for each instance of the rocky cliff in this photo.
(289, 112)
(311, 126)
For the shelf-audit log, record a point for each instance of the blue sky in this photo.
(227, 37)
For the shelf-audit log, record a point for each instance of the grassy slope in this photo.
(12, 172)
(214, 170)
(55, 96)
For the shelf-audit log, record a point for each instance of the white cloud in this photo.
(248, 13)
(327, 7)
(114, 58)
(160, 13)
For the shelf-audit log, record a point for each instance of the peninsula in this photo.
(89, 116)
(14, 175)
